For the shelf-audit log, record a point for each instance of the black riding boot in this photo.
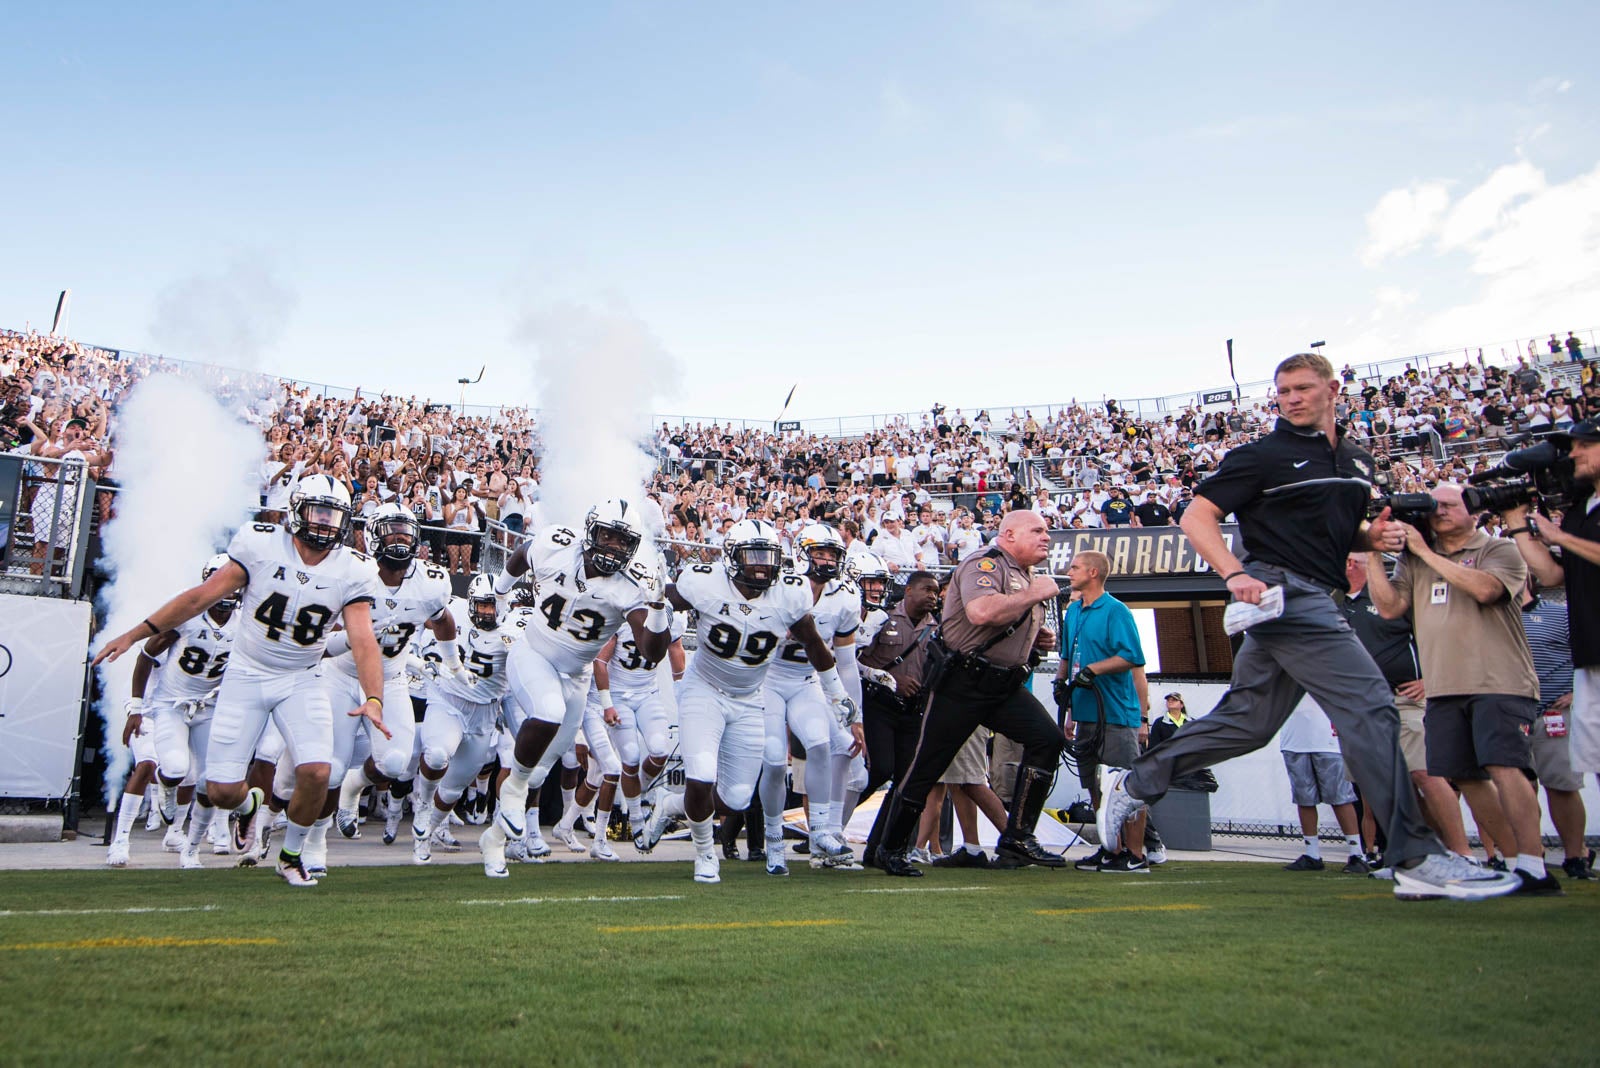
(1017, 847)
(900, 826)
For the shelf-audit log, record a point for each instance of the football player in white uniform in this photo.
(458, 730)
(795, 703)
(412, 596)
(642, 716)
(295, 582)
(871, 577)
(187, 663)
(139, 737)
(602, 773)
(586, 589)
(745, 607)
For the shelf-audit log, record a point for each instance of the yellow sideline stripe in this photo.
(644, 928)
(1120, 908)
(165, 942)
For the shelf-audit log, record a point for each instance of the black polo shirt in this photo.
(1300, 501)
(1389, 641)
(1583, 584)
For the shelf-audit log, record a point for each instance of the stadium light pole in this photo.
(465, 382)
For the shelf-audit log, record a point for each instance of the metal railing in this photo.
(46, 507)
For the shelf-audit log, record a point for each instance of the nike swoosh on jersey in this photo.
(1301, 464)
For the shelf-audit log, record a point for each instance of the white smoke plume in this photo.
(188, 472)
(597, 374)
(230, 317)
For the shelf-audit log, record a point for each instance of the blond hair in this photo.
(1306, 361)
(1097, 560)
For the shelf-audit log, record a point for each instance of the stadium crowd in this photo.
(945, 476)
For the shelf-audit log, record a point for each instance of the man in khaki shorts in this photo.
(1462, 590)
(1394, 648)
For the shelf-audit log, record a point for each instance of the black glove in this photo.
(1084, 679)
(1061, 690)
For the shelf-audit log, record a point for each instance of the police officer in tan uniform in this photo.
(993, 625)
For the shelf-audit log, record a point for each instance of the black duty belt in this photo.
(880, 694)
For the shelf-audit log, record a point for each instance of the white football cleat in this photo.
(292, 870)
(421, 847)
(174, 839)
(348, 820)
(391, 819)
(220, 837)
(776, 863)
(169, 804)
(601, 850)
(537, 847)
(568, 837)
(189, 859)
(445, 840)
(117, 855)
(828, 844)
(494, 855)
(707, 868)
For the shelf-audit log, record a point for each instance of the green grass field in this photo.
(1214, 963)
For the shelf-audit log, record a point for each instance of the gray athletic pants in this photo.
(1309, 648)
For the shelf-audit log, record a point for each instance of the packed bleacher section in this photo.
(923, 489)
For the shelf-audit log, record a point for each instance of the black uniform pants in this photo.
(957, 709)
(891, 740)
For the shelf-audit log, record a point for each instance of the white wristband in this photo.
(505, 584)
(657, 618)
(451, 655)
(832, 687)
(133, 706)
(605, 698)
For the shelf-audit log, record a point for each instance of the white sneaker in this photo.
(776, 863)
(117, 855)
(348, 821)
(536, 846)
(280, 820)
(292, 870)
(494, 855)
(152, 821)
(189, 859)
(828, 844)
(173, 841)
(220, 835)
(391, 819)
(920, 856)
(1117, 807)
(421, 847)
(1156, 856)
(601, 850)
(315, 859)
(567, 836)
(445, 840)
(1447, 875)
(169, 804)
(707, 868)
(847, 862)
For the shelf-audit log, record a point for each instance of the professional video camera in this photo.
(1539, 473)
(1413, 508)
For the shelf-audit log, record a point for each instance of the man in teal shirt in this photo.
(1102, 677)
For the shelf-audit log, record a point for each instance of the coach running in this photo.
(1301, 495)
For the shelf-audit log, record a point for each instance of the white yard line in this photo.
(97, 912)
(923, 890)
(563, 900)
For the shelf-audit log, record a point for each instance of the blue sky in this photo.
(982, 202)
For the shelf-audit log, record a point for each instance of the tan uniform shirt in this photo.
(979, 576)
(896, 636)
(1466, 647)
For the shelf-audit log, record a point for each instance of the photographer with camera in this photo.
(1463, 593)
(1578, 537)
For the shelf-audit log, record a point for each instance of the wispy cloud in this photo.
(898, 110)
(1024, 127)
(1403, 219)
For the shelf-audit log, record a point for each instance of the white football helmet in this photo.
(319, 511)
(483, 607)
(610, 537)
(753, 553)
(819, 552)
(872, 575)
(212, 566)
(393, 534)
